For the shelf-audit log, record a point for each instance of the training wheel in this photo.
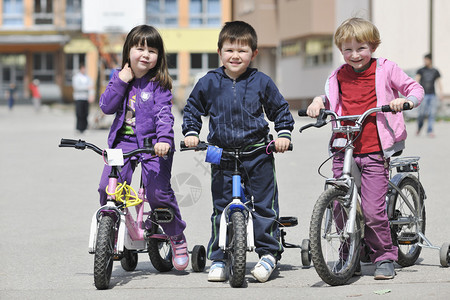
(306, 253)
(198, 258)
(444, 254)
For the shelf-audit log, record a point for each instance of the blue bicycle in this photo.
(236, 223)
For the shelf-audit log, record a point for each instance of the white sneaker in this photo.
(217, 271)
(264, 268)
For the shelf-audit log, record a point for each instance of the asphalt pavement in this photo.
(48, 195)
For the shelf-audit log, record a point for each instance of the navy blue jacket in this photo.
(236, 108)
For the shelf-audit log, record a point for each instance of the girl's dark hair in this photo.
(146, 34)
(238, 31)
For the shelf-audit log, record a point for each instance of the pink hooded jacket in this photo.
(390, 81)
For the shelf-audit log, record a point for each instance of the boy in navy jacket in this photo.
(235, 97)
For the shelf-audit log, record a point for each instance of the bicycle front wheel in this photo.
(334, 251)
(237, 248)
(407, 219)
(104, 250)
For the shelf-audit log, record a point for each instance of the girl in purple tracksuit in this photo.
(139, 95)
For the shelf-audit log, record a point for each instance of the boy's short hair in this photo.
(360, 29)
(238, 31)
(428, 56)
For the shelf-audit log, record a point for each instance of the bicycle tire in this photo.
(405, 236)
(160, 253)
(327, 252)
(237, 248)
(104, 250)
(129, 260)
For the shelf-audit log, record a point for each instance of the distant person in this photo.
(35, 94)
(83, 94)
(10, 95)
(428, 76)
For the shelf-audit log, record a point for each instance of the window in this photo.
(43, 12)
(203, 62)
(73, 13)
(44, 66)
(205, 13)
(12, 13)
(172, 62)
(318, 52)
(73, 63)
(162, 12)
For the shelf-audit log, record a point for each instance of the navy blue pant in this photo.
(260, 181)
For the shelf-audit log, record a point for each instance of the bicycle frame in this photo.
(236, 204)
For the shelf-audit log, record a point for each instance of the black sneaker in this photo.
(384, 270)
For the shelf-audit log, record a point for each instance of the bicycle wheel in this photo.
(160, 253)
(335, 255)
(407, 218)
(129, 260)
(237, 248)
(104, 250)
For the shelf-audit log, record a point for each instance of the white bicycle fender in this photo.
(121, 235)
(222, 232)
(250, 233)
(93, 234)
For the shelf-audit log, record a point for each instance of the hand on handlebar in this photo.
(161, 149)
(191, 141)
(282, 145)
(397, 105)
(314, 108)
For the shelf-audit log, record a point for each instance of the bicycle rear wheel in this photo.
(407, 219)
(237, 248)
(335, 255)
(104, 250)
(160, 253)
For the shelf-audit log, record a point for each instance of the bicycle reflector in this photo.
(213, 155)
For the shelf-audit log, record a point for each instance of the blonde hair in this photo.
(359, 29)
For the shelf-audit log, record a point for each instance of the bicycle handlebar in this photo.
(202, 146)
(81, 145)
(358, 119)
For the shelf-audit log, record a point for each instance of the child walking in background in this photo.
(236, 97)
(362, 83)
(140, 96)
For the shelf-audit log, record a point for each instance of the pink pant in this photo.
(374, 186)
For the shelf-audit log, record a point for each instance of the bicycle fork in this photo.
(236, 205)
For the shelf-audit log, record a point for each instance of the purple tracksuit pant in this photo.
(156, 173)
(374, 186)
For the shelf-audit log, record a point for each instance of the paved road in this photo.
(48, 195)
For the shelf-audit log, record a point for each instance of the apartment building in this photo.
(44, 39)
(296, 38)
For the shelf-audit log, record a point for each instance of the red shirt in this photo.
(358, 95)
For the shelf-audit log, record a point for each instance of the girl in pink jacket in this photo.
(362, 83)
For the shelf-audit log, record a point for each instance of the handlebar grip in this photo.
(302, 112)
(272, 147)
(387, 108)
(68, 142)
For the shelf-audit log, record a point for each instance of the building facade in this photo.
(44, 39)
(297, 38)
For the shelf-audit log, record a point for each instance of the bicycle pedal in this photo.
(163, 215)
(288, 221)
(408, 238)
